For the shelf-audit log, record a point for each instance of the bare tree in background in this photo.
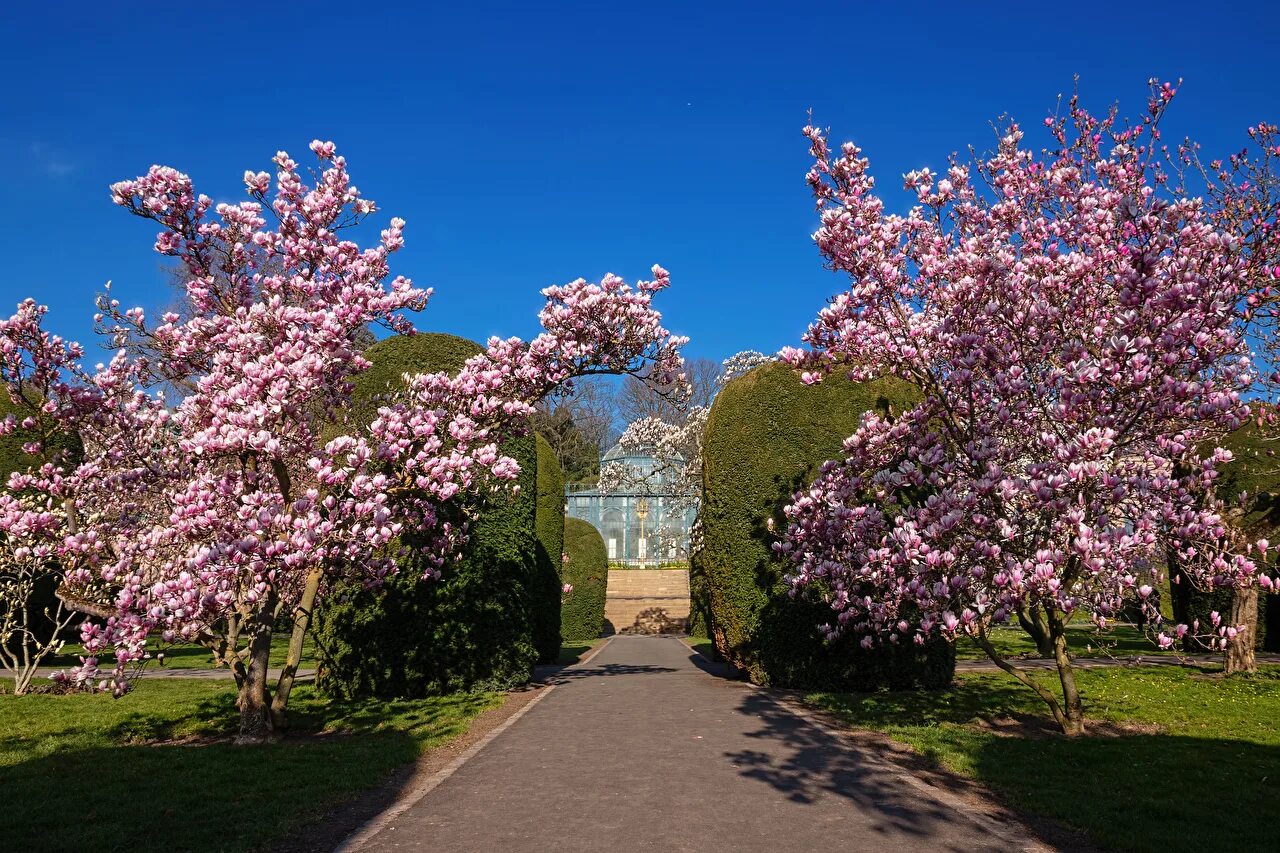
(578, 424)
(638, 399)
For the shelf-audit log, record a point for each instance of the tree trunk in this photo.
(1060, 716)
(255, 710)
(1072, 708)
(1031, 619)
(1244, 611)
(301, 622)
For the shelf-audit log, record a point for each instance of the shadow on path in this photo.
(577, 673)
(808, 765)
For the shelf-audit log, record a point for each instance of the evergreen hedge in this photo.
(582, 615)
(548, 548)
(766, 436)
(474, 628)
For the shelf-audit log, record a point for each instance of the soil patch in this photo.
(1039, 728)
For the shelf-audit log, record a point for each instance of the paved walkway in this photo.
(643, 748)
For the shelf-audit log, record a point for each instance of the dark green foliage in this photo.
(549, 545)
(471, 629)
(577, 449)
(1191, 604)
(13, 458)
(1253, 471)
(582, 615)
(766, 436)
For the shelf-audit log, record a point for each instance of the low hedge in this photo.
(474, 628)
(766, 436)
(582, 614)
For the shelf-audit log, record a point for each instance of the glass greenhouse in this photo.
(643, 524)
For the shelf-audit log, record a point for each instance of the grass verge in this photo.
(703, 646)
(186, 656)
(91, 772)
(1195, 767)
(573, 651)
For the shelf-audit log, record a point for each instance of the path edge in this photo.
(366, 833)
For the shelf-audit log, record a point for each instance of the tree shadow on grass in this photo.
(91, 783)
(1141, 792)
(1137, 791)
(213, 797)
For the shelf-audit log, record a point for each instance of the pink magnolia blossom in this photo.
(203, 519)
(1072, 325)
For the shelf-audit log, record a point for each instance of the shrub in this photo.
(766, 436)
(582, 614)
(471, 629)
(548, 548)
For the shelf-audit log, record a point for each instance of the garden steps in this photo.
(647, 601)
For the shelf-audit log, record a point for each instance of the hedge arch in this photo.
(471, 629)
(1251, 470)
(766, 436)
(582, 615)
(549, 547)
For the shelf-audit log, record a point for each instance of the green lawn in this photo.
(86, 771)
(703, 646)
(1201, 774)
(573, 651)
(1082, 639)
(190, 656)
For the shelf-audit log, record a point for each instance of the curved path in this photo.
(644, 747)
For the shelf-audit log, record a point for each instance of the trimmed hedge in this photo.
(471, 629)
(766, 436)
(549, 546)
(1254, 471)
(582, 615)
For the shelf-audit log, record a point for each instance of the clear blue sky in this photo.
(528, 144)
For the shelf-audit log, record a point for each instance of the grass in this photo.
(86, 771)
(1200, 773)
(573, 651)
(1083, 641)
(703, 646)
(186, 656)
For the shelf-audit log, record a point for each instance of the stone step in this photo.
(647, 601)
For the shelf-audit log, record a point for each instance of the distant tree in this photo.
(578, 424)
(640, 398)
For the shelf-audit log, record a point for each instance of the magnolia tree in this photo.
(1072, 323)
(32, 622)
(1244, 192)
(209, 520)
(674, 474)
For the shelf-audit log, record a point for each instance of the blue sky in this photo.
(530, 144)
